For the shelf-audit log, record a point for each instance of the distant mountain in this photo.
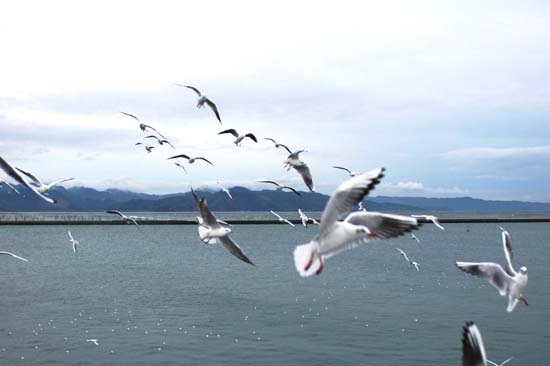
(89, 199)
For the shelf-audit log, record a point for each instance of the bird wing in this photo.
(508, 252)
(131, 115)
(207, 215)
(473, 350)
(382, 225)
(341, 167)
(196, 198)
(214, 108)
(491, 272)
(346, 196)
(306, 175)
(151, 136)
(167, 142)
(293, 190)
(270, 139)
(59, 181)
(286, 147)
(436, 222)
(12, 187)
(252, 137)
(231, 131)
(404, 255)
(70, 235)
(271, 182)
(6, 167)
(276, 214)
(205, 159)
(192, 88)
(14, 256)
(116, 213)
(33, 177)
(179, 156)
(154, 129)
(234, 249)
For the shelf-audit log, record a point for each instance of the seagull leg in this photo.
(524, 300)
(320, 269)
(310, 262)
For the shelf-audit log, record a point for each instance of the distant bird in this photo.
(335, 236)
(433, 219)
(190, 159)
(73, 242)
(293, 161)
(125, 219)
(203, 99)
(416, 265)
(94, 341)
(473, 349)
(4, 183)
(211, 232)
(277, 145)
(507, 281)
(234, 132)
(411, 263)
(280, 187)
(282, 219)
(14, 256)
(305, 219)
(149, 149)
(14, 174)
(415, 238)
(41, 187)
(181, 166)
(225, 190)
(160, 141)
(143, 126)
(362, 207)
(351, 174)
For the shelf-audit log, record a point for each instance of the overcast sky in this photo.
(452, 97)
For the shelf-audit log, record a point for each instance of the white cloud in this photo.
(489, 153)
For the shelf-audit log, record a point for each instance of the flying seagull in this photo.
(293, 161)
(14, 174)
(181, 166)
(41, 187)
(125, 219)
(507, 281)
(211, 232)
(473, 349)
(432, 218)
(203, 99)
(14, 256)
(234, 132)
(415, 238)
(280, 187)
(143, 126)
(160, 141)
(94, 341)
(351, 174)
(190, 159)
(335, 236)
(277, 145)
(4, 183)
(361, 206)
(225, 190)
(411, 263)
(73, 242)
(303, 217)
(282, 219)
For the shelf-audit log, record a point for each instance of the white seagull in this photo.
(433, 219)
(234, 132)
(14, 174)
(415, 238)
(303, 217)
(411, 263)
(190, 159)
(14, 256)
(203, 99)
(73, 242)
(4, 183)
(225, 190)
(211, 232)
(94, 341)
(282, 219)
(125, 219)
(293, 161)
(473, 349)
(351, 174)
(335, 236)
(507, 281)
(280, 187)
(41, 187)
(143, 126)
(277, 145)
(177, 163)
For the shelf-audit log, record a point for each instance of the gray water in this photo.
(157, 296)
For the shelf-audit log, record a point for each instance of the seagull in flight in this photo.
(335, 236)
(160, 141)
(190, 159)
(211, 232)
(351, 174)
(125, 219)
(277, 145)
(473, 349)
(181, 166)
(94, 341)
(432, 218)
(41, 187)
(14, 174)
(203, 99)
(234, 132)
(73, 242)
(293, 161)
(282, 219)
(280, 187)
(143, 126)
(225, 190)
(14, 256)
(4, 183)
(305, 219)
(411, 263)
(507, 281)
(415, 238)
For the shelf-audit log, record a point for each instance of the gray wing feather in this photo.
(6, 167)
(491, 272)
(234, 249)
(192, 88)
(306, 175)
(33, 177)
(214, 108)
(473, 350)
(508, 253)
(231, 131)
(383, 226)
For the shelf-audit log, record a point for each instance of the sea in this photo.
(155, 295)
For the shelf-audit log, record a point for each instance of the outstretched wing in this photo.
(383, 226)
(286, 147)
(192, 88)
(234, 249)
(342, 168)
(55, 182)
(507, 252)
(214, 108)
(33, 177)
(252, 137)
(116, 213)
(14, 256)
(205, 159)
(491, 272)
(231, 131)
(179, 156)
(473, 350)
(306, 175)
(6, 167)
(131, 115)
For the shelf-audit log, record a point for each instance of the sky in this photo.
(451, 97)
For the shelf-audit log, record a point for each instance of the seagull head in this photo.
(523, 270)
(227, 230)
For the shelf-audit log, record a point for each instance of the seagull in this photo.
(73, 241)
(507, 281)
(125, 219)
(362, 207)
(94, 341)
(433, 219)
(149, 148)
(277, 145)
(234, 132)
(160, 141)
(181, 166)
(293, 161)
(281, 219)
(4, 183)
(41, 187)
(225, 190)
(211, 232)
(190, 159)
(203, 99)
(351, 174)
(14, 174)
(335, 236)
(415, 238)
(473, 349)
(143, 126)
(14, 256)
(303, 217)
(404, 255)
(280, 187)
(416, 265)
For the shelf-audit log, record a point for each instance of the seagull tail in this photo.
(306, 260)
